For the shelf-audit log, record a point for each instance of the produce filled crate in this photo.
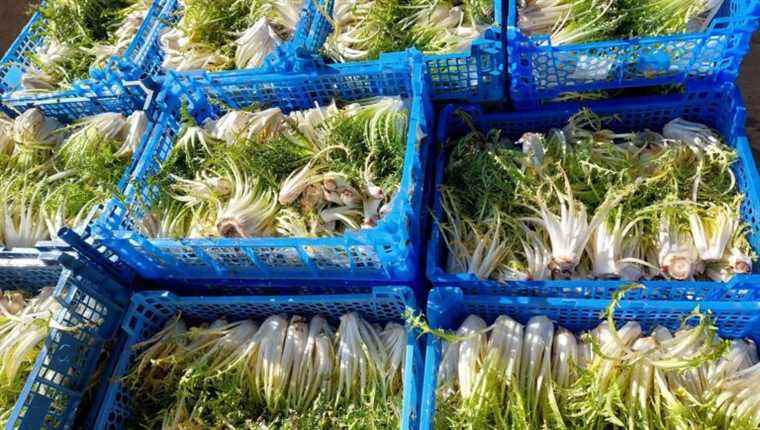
(149, 312)
(30, 246)
(541, 69)
(29, 69)
(448, 307)
(716, 106)
(475, 72)
(65, 372)
(465, 59)
(27, 308)
(389, 251)
(285, 41)
(252, 33)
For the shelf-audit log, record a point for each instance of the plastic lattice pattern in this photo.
(718, 106)
(476, 74)
(142, 59)
(92, 308)
(150, 311)
(39, 266)
(28, 268)
(449, 306)
(539, 71)
(388, 251)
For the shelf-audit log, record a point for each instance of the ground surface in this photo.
(749, 81)
(13, 17)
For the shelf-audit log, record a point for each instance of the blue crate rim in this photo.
(718, 25)
(392, 226)
(437, 274)
(453, 304)
(141, 303)
(539, 71)
(534, 305)
(399, 205)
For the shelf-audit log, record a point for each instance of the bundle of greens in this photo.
(585, 202)
(317, 172)
(510, 376)
(284, 372)
(227, 34)
(78, 35)
(578, 21)
(24, 324)
(53, 175)
(366, 28)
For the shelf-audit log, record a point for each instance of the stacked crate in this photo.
(117, 287)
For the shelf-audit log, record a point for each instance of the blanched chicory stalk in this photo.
(615, 377)
(538, 257)
(580, 21)
(250, 210)
(570, 21)
(536, 382)
(613, 250)
(570, 230)
(315, 172)
(77, 36)
(24, 324)
(288, 371)
(564, 358)
(443, 27)
(33, 139)
(696, 136)
(471, 352)
(678, 257)
(223, 34)
(366, 28)
(124, 35)
(662, 207)
(712, 230)
(736, 403)
(22, 216)
(55, 175)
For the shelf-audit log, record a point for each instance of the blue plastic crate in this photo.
(388, 252)
(30, 282)
(449, 306)
(144, 57)
(31, 267)
(39, 265)
(475, 75)
(540, 72)
(15, 59)
(89, 97)
(718, 106)
(142, 54)
(92, 308)
(148, 313)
